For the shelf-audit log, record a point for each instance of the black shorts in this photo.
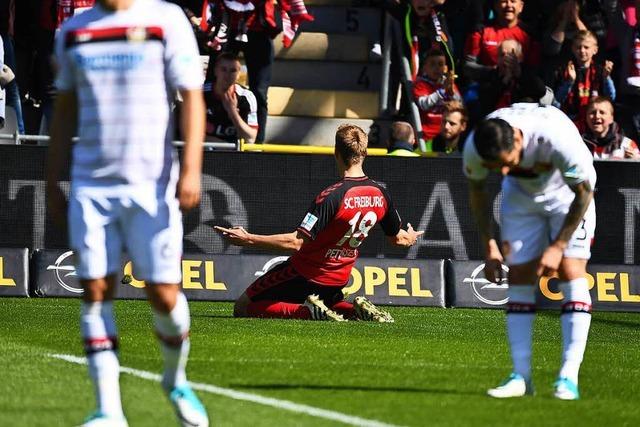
(283, 283)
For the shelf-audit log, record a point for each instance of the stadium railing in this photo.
(388, 108)
(18, 139)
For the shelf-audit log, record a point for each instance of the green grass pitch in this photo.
(430, 368)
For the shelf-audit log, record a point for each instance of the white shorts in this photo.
(103, 223)
(530, 223)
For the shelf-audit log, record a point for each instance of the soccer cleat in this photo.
(366, 310)
(188, 407)
(98, 419)
(319, 311)
(566, 389)
(514, 386)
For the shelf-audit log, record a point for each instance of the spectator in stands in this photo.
(497, 87)
(434, 86)
(249, 26)
(402, 141)
(481, 51)
(583, 78)
(231, 108)
(603, 136)
(625, 23)
(12, 95)
(425, 29)
(569, 18)
(450, 140)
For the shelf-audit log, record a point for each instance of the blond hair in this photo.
(351, 143)
(583, 35)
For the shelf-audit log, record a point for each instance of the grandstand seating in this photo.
(327, 77)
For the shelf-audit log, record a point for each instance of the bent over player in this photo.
(325, 245)
(547, 225)
(120, 64)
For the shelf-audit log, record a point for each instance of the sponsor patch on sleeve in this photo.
(309, 221)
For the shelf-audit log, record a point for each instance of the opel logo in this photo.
(487, 291)
(64, 271)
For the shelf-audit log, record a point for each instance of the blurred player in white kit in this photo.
(547, 226)
(120, 64)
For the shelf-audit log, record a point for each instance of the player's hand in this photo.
(493, 263)
(493, 270)
(550, 260)
(571, 71)
(236, 235)
(413, 234)
(57, 205)
(607, 69)
(188, 191)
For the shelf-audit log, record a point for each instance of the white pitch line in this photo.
(249, 397)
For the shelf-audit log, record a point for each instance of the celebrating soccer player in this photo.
(325, 245)
(547, 224)
(120, 64)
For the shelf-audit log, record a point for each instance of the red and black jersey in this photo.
(337, 223)
(484, 44)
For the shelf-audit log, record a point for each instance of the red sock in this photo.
(345, 308)
(277, 310)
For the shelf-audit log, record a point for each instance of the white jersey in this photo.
(553, 155)
(125, 67)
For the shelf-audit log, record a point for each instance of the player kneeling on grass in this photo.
(325, 245)
(548, 222)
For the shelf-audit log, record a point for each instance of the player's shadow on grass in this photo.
(355, 388)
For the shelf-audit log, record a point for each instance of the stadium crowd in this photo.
(478, 54)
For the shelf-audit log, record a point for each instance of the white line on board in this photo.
(249, 397)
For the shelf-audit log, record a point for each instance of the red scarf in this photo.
(262, 18)
(587, 85)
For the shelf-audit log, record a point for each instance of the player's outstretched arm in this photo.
(62, 129)
(192, 121)
(288, 242)
(479, 201)
(406, 237)
(552, 256)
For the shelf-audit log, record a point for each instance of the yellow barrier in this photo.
(312, 149)
(302, 149)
